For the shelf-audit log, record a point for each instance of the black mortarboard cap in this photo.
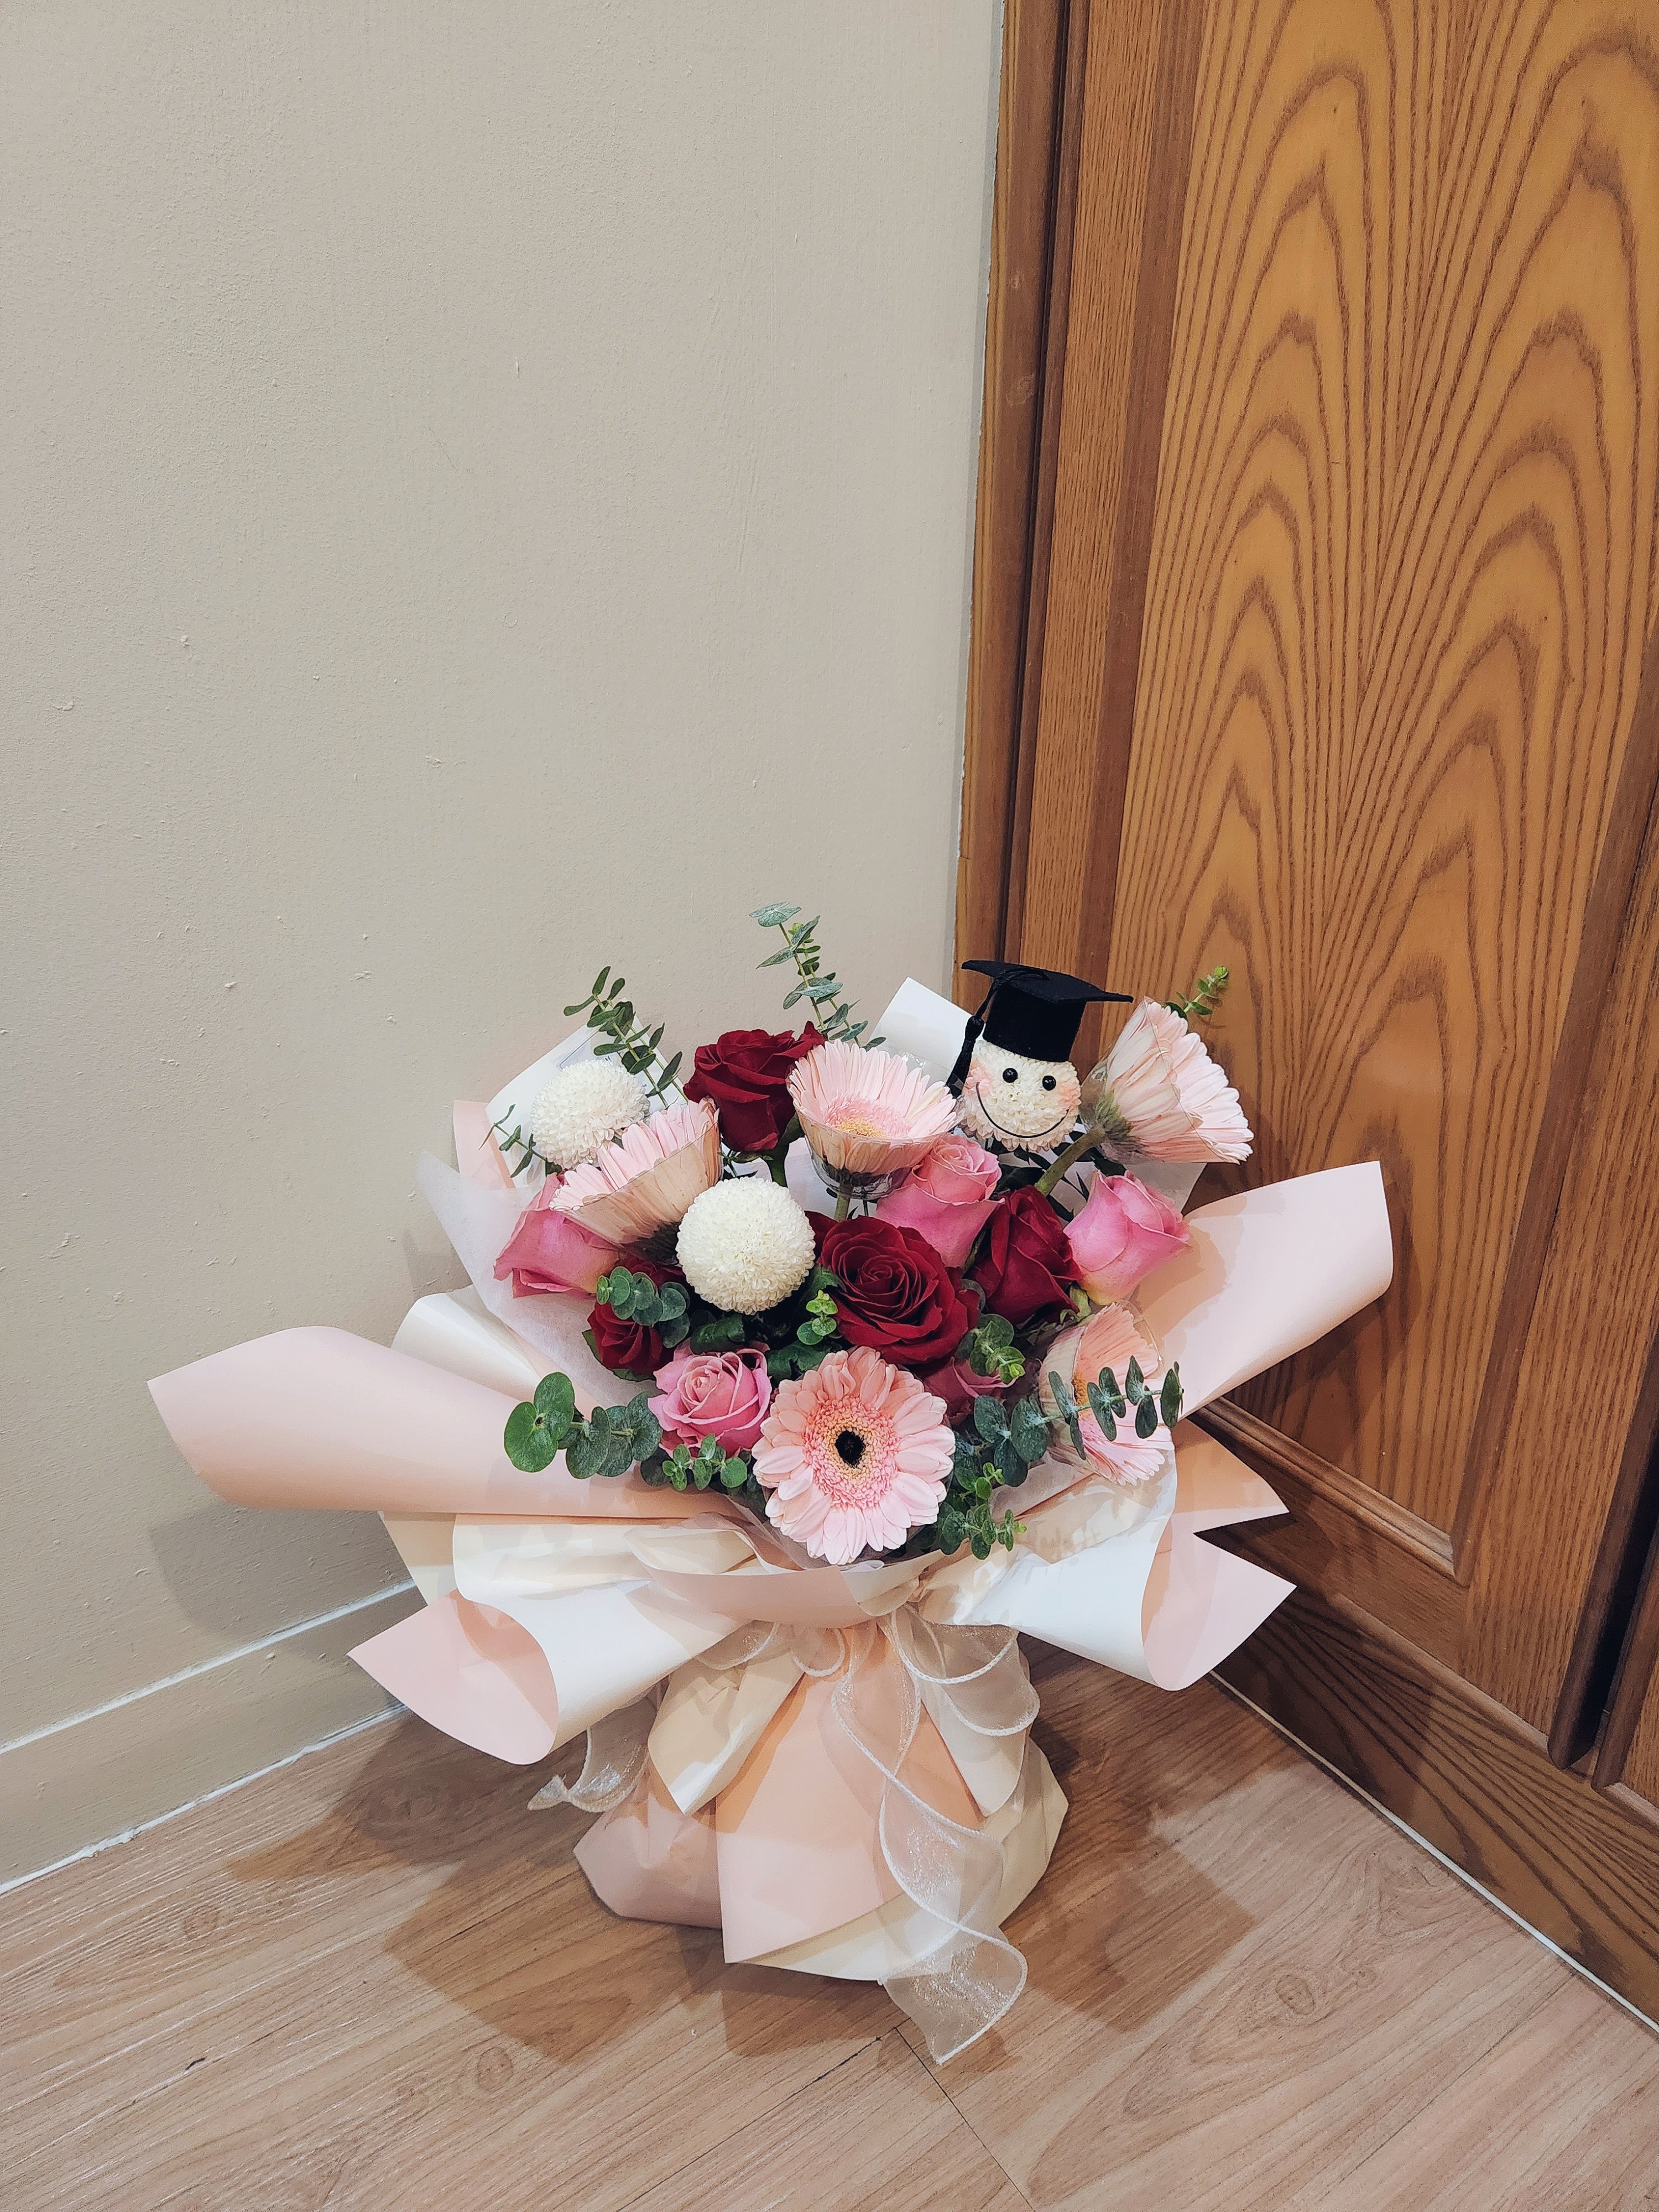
(1035, 1012)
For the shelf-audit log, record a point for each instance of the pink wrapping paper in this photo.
(648, 1860)
(317, 1417)
(798, 1853)
(472, 1673)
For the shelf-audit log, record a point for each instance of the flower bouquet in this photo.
(789, 1388)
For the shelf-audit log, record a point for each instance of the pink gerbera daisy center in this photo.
(855, 1456)
(866, 1118)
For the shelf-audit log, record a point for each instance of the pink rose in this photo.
(550, 1251)
(1121, 1234)
(723, 1394)
(956, 1383)
(947, 1197)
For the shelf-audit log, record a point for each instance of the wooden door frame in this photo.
(1039, 119)
(1539, 1821)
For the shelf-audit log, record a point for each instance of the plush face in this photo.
(1029, 1105)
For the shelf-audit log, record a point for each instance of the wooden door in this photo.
(1328, 478)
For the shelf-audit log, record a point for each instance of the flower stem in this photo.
(843, 1202)
(1073, 1151)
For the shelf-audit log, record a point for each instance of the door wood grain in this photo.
(1348, 678)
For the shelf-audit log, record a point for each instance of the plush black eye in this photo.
(1011, 1075)
(1048, 1082)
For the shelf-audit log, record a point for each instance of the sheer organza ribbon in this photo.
(613, 1760)
(954, 1874)
(973, 1683)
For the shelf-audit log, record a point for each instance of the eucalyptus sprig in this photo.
(989, 1349)
(515, 1140)
(611, 1440)
(996, 1457)
(832, 1013)
(663, 1307)
(817, 1321)
(1201, 1001)
(625, 1038)
(1110, 1405)
(682, 1468)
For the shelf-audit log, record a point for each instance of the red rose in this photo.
(625, 1344)
(745, 1076)
(896, 1294)
(1026, 1264)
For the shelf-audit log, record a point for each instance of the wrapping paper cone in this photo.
(317, 1417)
(648, 1860)
(472, 1673)
(1267, 1273)
(1122, 1577)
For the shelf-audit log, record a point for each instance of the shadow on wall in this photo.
(233, 1570)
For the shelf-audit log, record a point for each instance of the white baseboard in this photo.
(94, 1777)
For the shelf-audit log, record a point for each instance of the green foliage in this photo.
(1066, 1407)
(625, 1039)
(536, 1432)
(614, 1439)
(989, 1349)
(832, 1013)
(1201, 1001)
(663, 1307)
(609, 1441)
(1009, 1438)
(822, 1318)
(721, 1331)
(965, 1515)
(681, 1468)
(1110, 1404)
(515, 1140)
(784, 1362)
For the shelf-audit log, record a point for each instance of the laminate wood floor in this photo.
(374, 1980)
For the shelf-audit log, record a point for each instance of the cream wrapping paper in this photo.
(833, 1765)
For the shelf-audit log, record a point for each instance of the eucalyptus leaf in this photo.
(990, 1419)
(526, 1441)
(773, 917)
(1134, 1383)
(1027, 1431)
(1170, 1396)
(1147, 1418)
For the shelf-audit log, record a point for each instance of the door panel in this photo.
(1341, 666)
(1401, 580)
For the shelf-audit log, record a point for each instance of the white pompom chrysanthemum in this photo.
(582, 1109)
(745, 1244)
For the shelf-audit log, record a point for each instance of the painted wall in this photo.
(487, 491)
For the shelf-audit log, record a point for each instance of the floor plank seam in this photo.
(748, 2120)
(937, 2073)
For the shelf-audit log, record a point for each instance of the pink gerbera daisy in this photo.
(855, 1453)
(868, 1113)
(1158, 1092)
(647, 1179)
